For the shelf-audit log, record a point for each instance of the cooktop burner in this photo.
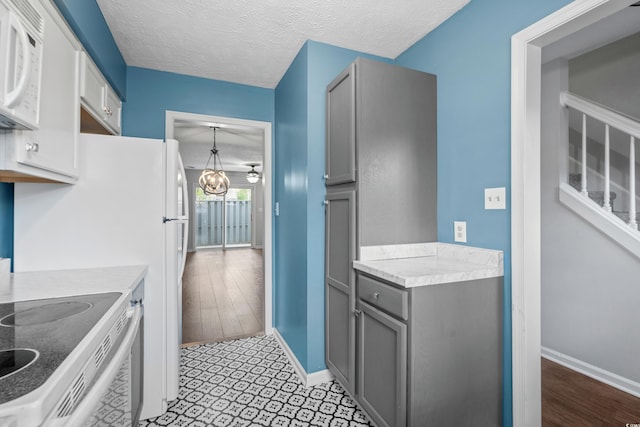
(51, 328)
(16, 359)
(45, 313)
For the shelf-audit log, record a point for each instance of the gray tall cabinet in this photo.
(381, 184)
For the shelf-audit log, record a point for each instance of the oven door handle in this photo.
(93, 397)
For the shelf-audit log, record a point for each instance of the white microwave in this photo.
(21, 38)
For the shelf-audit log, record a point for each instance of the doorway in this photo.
(579, 26)
(246, 261)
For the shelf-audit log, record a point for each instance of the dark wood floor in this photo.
(572, 399)
(222, 295)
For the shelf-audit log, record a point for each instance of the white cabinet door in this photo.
(53, 147)
(98, 98)
(91, 86)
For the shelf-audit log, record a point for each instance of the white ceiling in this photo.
(253, 42)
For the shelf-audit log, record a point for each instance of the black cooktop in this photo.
(36, 336)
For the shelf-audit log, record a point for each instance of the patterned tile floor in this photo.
(250, 383)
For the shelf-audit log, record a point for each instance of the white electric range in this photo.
(66, 341)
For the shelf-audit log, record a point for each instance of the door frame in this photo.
(267, 177)
(526, 84)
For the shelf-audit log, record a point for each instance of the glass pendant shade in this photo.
(214, 181)
(253, 176)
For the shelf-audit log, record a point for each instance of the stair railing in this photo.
(611, 119)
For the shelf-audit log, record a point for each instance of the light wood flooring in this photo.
(572, 399)
(222, 295)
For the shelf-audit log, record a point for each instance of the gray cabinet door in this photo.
(397, 154)
(382, 366)
(340, 327)
(341, 128)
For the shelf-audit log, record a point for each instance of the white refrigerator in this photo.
(129, 207)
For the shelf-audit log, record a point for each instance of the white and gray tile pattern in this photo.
(250, 383)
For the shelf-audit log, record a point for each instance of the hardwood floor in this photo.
(572, 399)
(222, 295)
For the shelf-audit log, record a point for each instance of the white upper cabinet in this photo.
(97, 97)
(49, 153)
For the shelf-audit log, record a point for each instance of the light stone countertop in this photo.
(63, 283)
(425, 264)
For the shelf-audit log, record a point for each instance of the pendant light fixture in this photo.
(214, 181)
(253, 175)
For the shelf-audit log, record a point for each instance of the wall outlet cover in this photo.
(460, 231)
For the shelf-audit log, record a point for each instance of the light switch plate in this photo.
(495, 198)
(460, 231)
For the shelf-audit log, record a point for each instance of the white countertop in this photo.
(429, 263)
(62, 283)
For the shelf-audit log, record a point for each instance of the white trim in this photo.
(526, 75)
(614, 380)
(606, 222)
(308, 380)
(171, 117)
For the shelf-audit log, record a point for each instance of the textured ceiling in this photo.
(238, 146)
(253, 42)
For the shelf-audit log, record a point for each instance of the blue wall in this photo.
(87, 22)
(290, 192)
(299, 189)
(150, 93)
(6, 220)
(471, 55)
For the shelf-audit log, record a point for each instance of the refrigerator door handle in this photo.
(185, 218)
(180, 219)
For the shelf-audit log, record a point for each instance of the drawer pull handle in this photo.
(376, 295)
(32, 147)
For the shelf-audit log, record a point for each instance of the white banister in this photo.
(599, 112)
(607, 172)
(632, 184)
(611, 119)
(583, 181)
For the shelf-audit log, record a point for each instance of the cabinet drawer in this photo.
(393, 301)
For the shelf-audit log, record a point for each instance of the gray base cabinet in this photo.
(382, 366)
(430, 355)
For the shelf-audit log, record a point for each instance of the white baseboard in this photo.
(309, 380)
(614, 380)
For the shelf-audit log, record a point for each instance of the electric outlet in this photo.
(460, 231)
(495, 198)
